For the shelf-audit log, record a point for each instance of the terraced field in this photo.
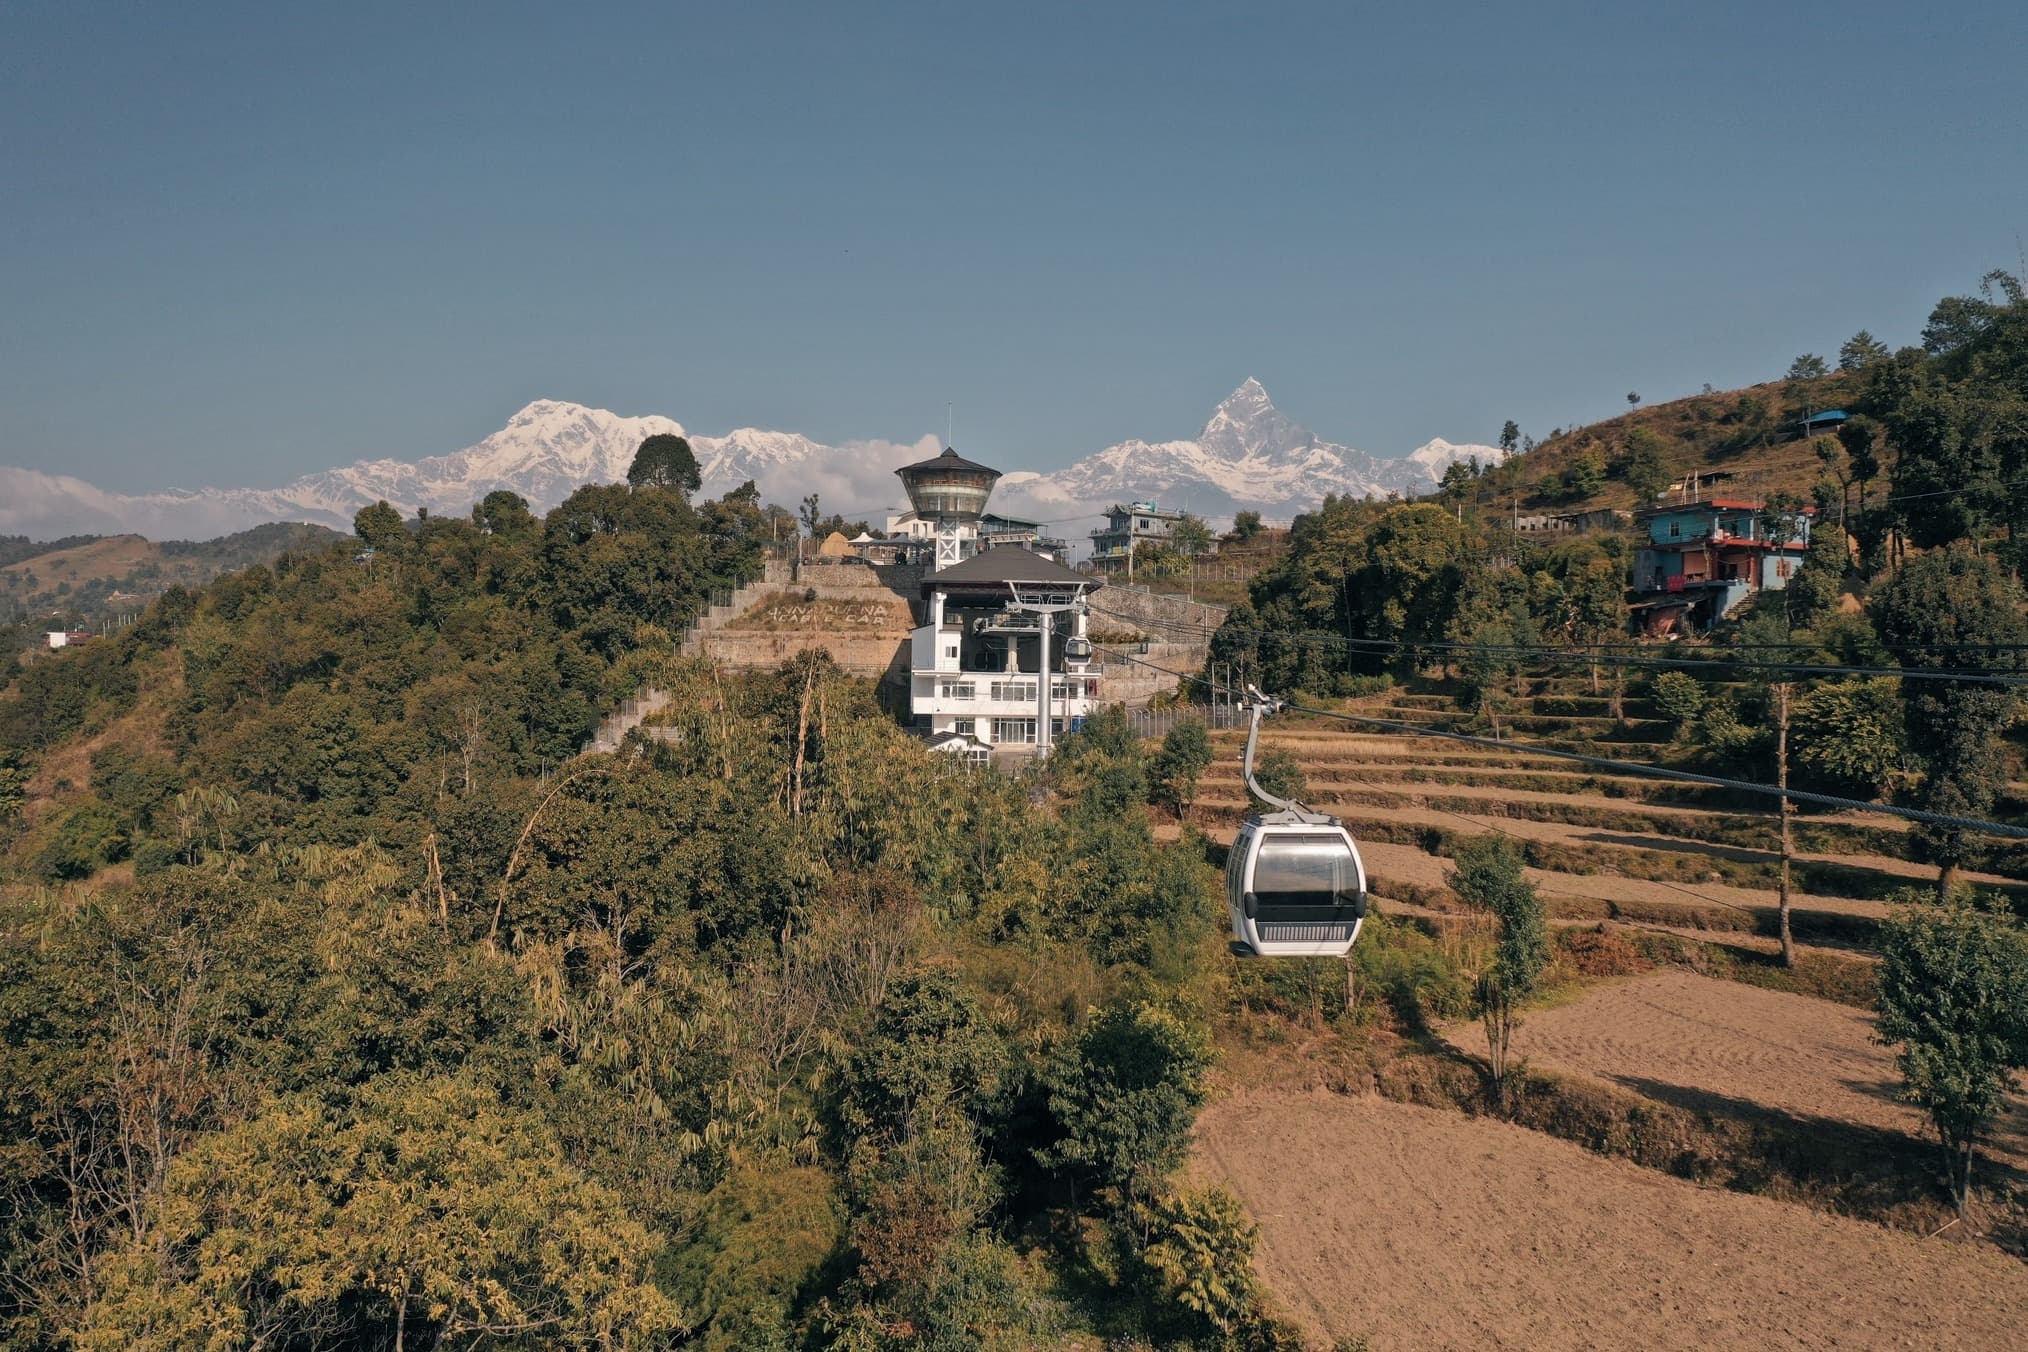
(1601, 844)
(1414, 1226)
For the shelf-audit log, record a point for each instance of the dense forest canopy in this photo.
(345, 1004)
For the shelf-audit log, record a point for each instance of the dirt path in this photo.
(1417, 1228)
(1706, 1044)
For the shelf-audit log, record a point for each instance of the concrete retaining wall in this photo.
(1158, 615)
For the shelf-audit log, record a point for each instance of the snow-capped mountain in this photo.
(1249, 455)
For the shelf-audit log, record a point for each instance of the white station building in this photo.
(1002, 662)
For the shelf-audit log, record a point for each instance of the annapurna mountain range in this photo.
(1249, 455)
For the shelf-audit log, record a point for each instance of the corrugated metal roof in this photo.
(1007, 564)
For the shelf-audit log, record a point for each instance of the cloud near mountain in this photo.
(1249, 455)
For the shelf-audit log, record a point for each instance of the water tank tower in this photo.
(950, 492)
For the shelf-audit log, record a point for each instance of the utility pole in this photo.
(1781, 694)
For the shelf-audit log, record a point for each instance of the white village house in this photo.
(996, 618)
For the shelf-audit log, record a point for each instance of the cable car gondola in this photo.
(1295, 885)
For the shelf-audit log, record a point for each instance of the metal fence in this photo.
(1157, 722)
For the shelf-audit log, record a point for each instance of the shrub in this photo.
(85, 841)
(1848, 736)
(1680, 697)
(1199, 1257)
(1123, 1094)
(1277, 771)
(1602, 952)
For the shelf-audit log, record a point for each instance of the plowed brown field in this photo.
(1418, 1228)
(1703, 1043)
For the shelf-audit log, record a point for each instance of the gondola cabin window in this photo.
(1297, 875)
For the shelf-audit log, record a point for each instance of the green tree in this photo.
(1458, 479)
(1954, 998)
(1278, 772)
(1848, 736)
(665, 460)
(1122, 1096)
(429, 1213)
(1860, 351)
(1860, 436)
(1585, 475)
(1809, 366)
(1407, 589)
(1819, 579)
(1488, 877)
(1680, 697)
(503, 512)
(1946, 611)
(1510, 436)
(1183, 759)
(1245, 526)
(1190, 536)
(380, 527)
(763, 1237)
(1647, 473)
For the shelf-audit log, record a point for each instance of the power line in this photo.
(1634, 767)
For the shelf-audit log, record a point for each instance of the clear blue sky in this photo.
(241, 242)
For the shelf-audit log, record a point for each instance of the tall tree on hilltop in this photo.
(1809, 366)
(1958, 420)
(1860, 351)
(665, 460)
(1946, 611)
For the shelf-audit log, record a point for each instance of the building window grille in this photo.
(963, 726)
(1017, 691)
(960, 690)
(1675, 530)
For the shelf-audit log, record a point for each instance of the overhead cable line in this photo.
(1630, 767)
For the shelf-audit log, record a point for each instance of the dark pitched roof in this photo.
(950, 459)
(1007, 564)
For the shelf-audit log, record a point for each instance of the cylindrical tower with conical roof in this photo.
(950, 492)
